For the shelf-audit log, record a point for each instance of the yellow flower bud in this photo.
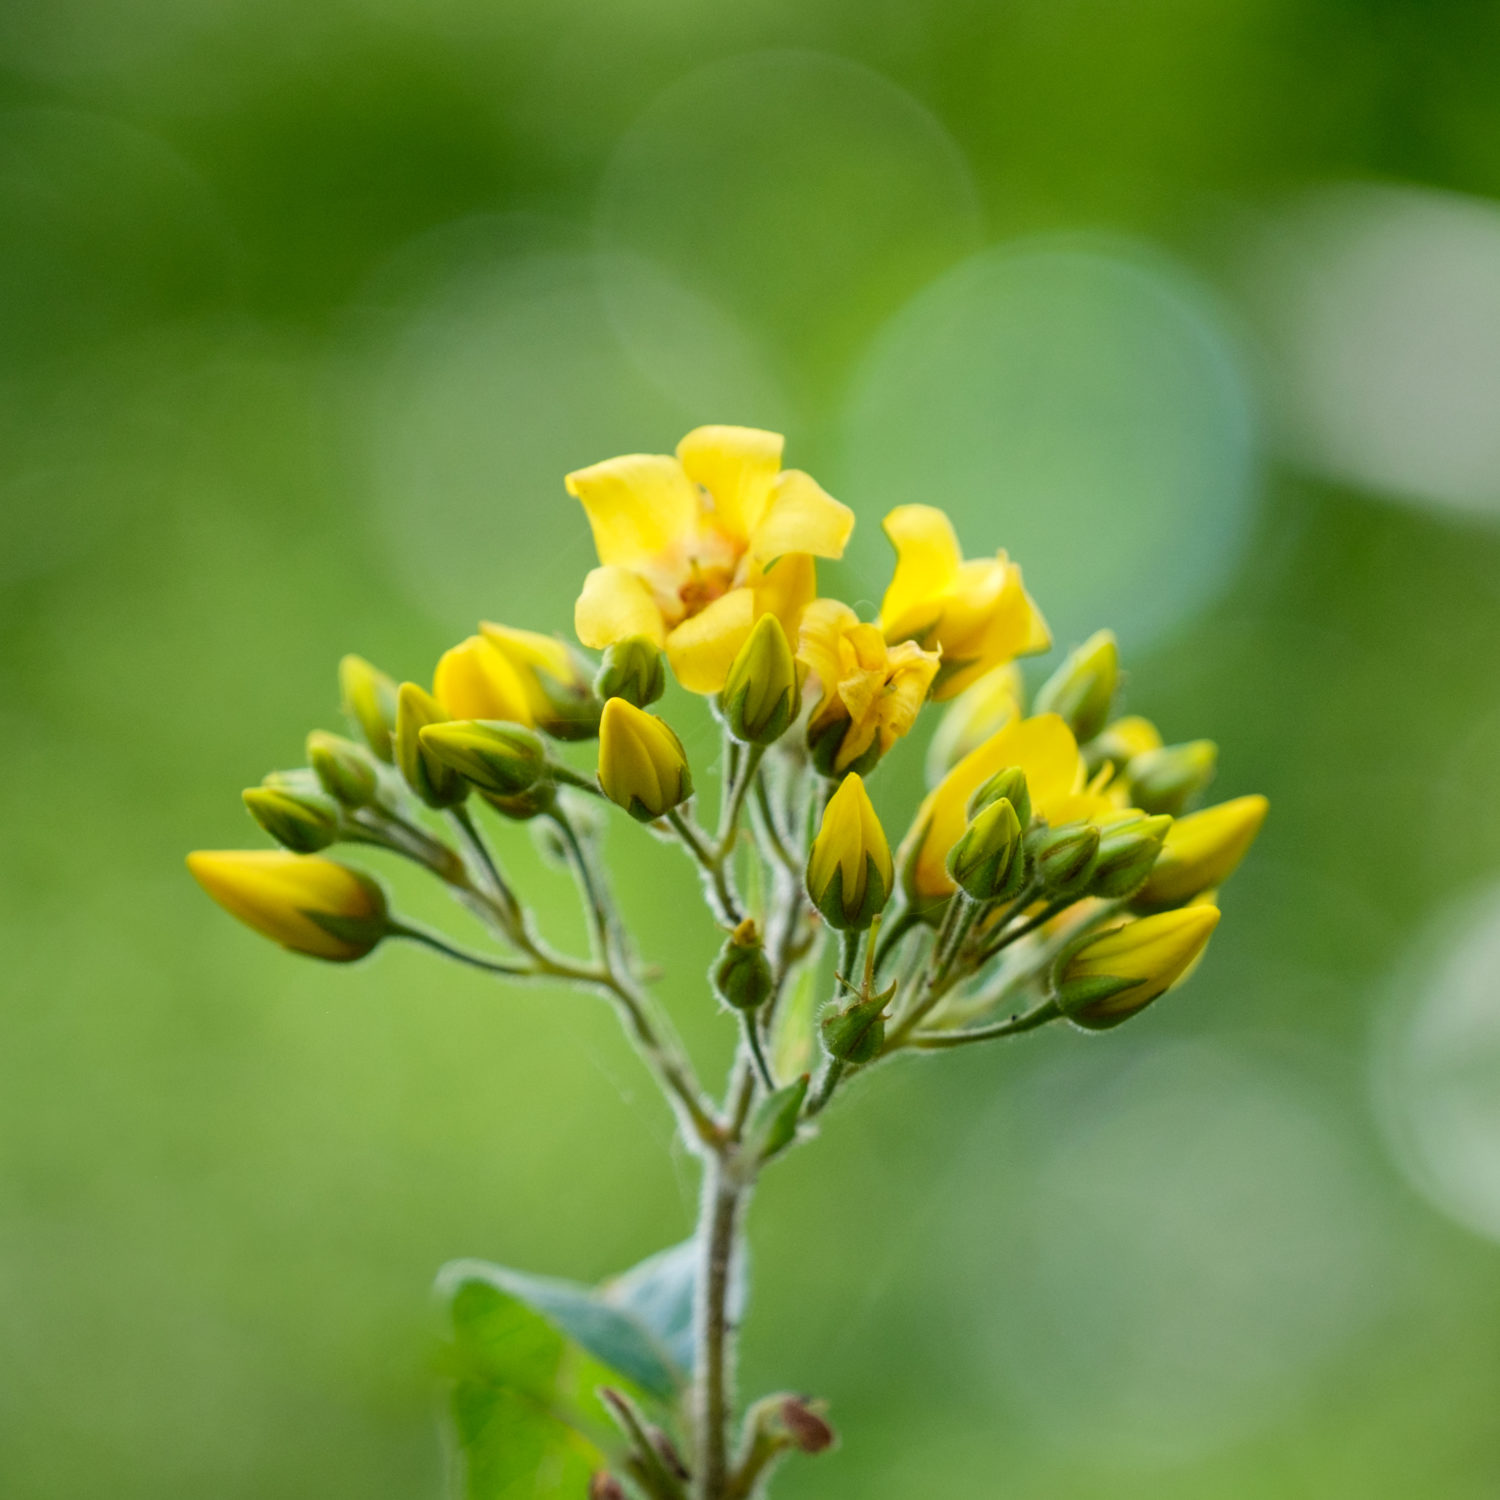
(303, 821)
(1114, 975)
(849, 869)
(1082, 689)
(369, 699)
(760, 693)
(304, 902)
(501, 758)
(642, 765)
(1202, 851)
(429, 776)
(473, 680)
(558, 694)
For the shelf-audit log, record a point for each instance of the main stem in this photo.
(719, 1228)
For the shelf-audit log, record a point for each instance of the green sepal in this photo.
(302, 821)
(632, 669)
(366, 932)
(824, 744)
(856, 1033)
(344, 770)
(773, 1126)
(835, 912)
(741, 974)
(497, 757)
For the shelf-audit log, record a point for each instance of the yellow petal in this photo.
(927, 563)
(474, 680)
(614, 606)
(784, 588)
(703, 648)
(802, 517)
(824, 623)
(637, 505)
(737, 466)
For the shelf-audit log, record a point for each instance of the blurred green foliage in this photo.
(304, 312)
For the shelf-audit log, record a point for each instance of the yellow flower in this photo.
(849, 870)
(870, 693)
(989, 704)
(1203, 850)
(474, 680)
(1043, 748)
(1114, 975)
(304, 902)
(977, 613)
(559, 697)
(642, 765)
(694, 549)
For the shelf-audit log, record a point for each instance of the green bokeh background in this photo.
(304, 312)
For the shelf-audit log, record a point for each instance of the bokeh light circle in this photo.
(1082, 404)
(1436, 1065)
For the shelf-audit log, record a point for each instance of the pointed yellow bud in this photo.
(1082, 689)
(306, 903)
(431, 778)
(369, 699)
(761, 691)
(642, 765)
(559, 696)
(1202, 851)
(633, 669)
(1114, 975)
(501, 758)
(849, 869)
(475, 681)
(303, 821)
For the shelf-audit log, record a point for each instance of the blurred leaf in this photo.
(660, 1292)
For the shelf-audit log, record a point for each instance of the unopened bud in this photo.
(741, 974)
(759, 700)
(1112, 976)
(432, 779)
(989, 862)
(604, 1486)
(856, 1033)
(808, 1430)
(1127, 851)
(344, 769)
(632, 669)
(1010, 784)
(1202, 851)
(497, 757)
(1166, 780)
(369, 699)
(666, 1451)
(849, 868)
(1063, 857)
(642, 765)
(1082, 689)
(303, 822)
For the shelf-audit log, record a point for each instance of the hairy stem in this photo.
(719, 1235)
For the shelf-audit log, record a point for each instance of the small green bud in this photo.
(1127, 852)
(1082, 689)
(632, 669)
(302, 821)
(989, 861)
(760, 694)
(1010, 784)
(1063, 858)
(524, 806)
(344, 769)
(741, 974)
(501, 758)
(1167, 780)
(433, 780)
(369, 699)
(856, 1033)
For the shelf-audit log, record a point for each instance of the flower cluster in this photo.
(1056, 869)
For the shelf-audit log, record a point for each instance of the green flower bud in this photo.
(369, 699)
(1167, 780)
(1063, 858)
(857, 1033)
(344, 769)
(1082, 689)
(1009, 783)
(760, 694)
(433, 780)
(302, 821)
(526, 805)
(501, 758)
(741, 974)
(989, 862)
(1127, 851)
(632, 669)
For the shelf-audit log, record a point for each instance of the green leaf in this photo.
(773, 1126)
(660, 1292)
(615, 1335)
(792, 1043)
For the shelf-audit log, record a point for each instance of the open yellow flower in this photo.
(977, 613)
(694, 549)
(869, 693)
(1044, 748)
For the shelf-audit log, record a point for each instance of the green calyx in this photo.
(1082, 689)
(856, 910)
(741, 974)
(759, 700)
(1169, 779)
(632, 669)
(344, 770)
(302, 821)
(1063, 858)
(1010, 784)
(856, 1033)
(1127, 853)
(989, 862)
(504, 759)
